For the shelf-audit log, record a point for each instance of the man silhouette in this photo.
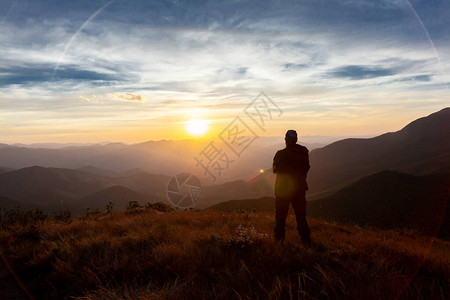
(291, 165)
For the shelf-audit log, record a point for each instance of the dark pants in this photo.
(281, 212)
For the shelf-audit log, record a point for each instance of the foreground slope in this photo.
(192, 255)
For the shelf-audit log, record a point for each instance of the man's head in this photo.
(290, 137)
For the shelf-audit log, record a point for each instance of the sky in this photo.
(131, 71)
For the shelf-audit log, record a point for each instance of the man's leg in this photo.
(281, 212)
(299, 205)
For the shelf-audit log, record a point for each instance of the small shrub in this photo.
(109, 207)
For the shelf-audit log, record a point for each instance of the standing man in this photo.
(291, 165)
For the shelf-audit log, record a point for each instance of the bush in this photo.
(159, 206)
(134, 207)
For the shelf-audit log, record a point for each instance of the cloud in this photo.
(37, 73)
(422, 78)
(294, 66)
(98, 98)
(216, 55)
(127, 96)
(355, 72)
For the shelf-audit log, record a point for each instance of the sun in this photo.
(197, 127)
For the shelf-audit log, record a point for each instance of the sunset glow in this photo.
(78, 75)
(197, 127)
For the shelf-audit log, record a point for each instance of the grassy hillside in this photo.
(218, 255)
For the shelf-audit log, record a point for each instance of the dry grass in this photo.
(206, 255)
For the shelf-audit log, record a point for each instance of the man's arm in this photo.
(276, 163)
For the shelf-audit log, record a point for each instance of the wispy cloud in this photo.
(128, 96)
(92, 98)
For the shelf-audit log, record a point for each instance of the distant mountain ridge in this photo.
(55, 189)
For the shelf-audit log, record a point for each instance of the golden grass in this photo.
(206, 255)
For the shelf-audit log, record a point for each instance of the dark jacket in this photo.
(291, 165)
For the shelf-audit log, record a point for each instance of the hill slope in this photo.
(390, 200)
(386, 200)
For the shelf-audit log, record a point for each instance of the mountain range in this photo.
(56, 189)
(94, 175)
